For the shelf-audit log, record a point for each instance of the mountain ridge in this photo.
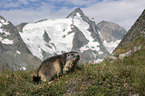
(49, 37)
(135, 31)
(84, 34)
(14, 53)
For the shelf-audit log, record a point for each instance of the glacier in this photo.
(77, 32)
(59, 40)
(60, 34)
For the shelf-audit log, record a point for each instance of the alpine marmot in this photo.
(56, 65)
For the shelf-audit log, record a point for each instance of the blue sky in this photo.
(21, 4)
(122, 12)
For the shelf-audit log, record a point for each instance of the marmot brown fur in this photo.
(56, 65)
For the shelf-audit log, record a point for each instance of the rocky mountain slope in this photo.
(14, 54)
(53, 36)
(138, 29)
(133, 41)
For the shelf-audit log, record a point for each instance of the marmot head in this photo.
(73, 56)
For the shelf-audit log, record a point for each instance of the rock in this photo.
(121, 56)
(110, 58)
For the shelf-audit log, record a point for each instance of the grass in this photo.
(138, 41)
(123, 77)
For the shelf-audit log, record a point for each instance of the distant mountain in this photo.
(14, 54)
(54, 36)
(111, 34)
(138, 29)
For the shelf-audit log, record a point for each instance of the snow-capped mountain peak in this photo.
(49, 37)
(77, 11)
(5, 33)
(53, 36)
(3, 21)
(59, 36)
